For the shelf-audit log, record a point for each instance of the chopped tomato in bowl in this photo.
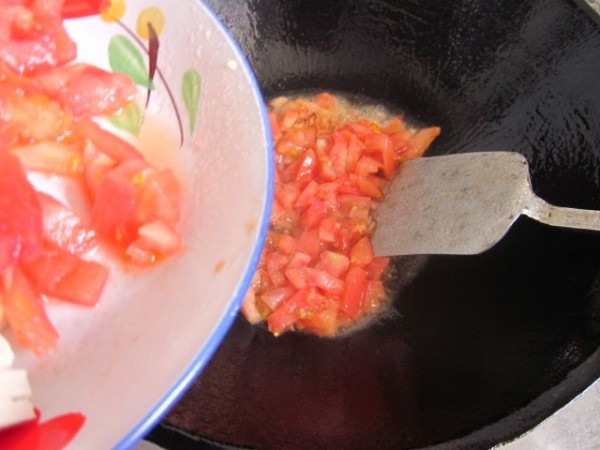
(318, 272)
(124, 254)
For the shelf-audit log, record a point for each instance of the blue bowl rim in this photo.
(170, 398)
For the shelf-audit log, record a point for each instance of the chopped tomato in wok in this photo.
(317, 272)
(48, 112)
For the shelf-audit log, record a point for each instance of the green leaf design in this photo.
(190, 89)
(124, 57)
(128, 119)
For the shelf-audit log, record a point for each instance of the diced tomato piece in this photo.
(376, 143)
(362, 129)
(309, 243)
(302, 170)
(400, 141)
(275, 268)
(25, 314)
(108, 143)
(63, 228)
(297, 277)
(304, 137)
(16, 111)
(83, 285)
(361, 253)
(47, 270)
(159, 197)
(20, 214)
(338, 155)
(355, 206)
(328, 229)
(336, 264)
(273, 297)
(396, 125)
(314, 214)
(286, 314)
(87, 90)
(96, 165)
(275, 128)
(323, 323)
(421, 141)
(67, 277)
(158, 237)
(307, 195)
(326, 100)
(32, 36)
(355, 286)
(355, 151)
(285, 243)
(367, 166)
(289, 119)
(114, 209)
(299, 259)
(374, 295)
(249, 309)
(138, 254)
(324, 281)
(304, 277)
(368, 188)
(327, 171)
(388, 160)
(376, 268)
(286, 194)
(329, 191)
(50, 156)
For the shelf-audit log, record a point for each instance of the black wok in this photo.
(477, 350)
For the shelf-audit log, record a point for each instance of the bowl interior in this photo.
(478, 349)
(124, 362)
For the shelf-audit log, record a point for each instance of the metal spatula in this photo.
(463, 204)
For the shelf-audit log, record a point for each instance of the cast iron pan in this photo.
(477, 349)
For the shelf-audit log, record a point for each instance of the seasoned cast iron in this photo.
(477, 349)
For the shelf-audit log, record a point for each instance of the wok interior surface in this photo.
(476, 349)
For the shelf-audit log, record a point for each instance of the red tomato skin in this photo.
(73, 9)
(83, 285)
(32, 37)
(16, 111)
(87, 90)
(114, 210)
(47, 270)
(26, 316)
(159, 198)
(285, 315)
(113, 146)
(67, 277)
(355, 286)
(273, 297)
(361, 253)
(334, 263)
(63, 228)
(376, 268)
(20, 214)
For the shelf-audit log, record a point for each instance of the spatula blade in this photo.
(454, 204)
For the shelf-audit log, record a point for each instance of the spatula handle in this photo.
(559, 216)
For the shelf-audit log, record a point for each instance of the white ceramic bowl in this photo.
(125, 362)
